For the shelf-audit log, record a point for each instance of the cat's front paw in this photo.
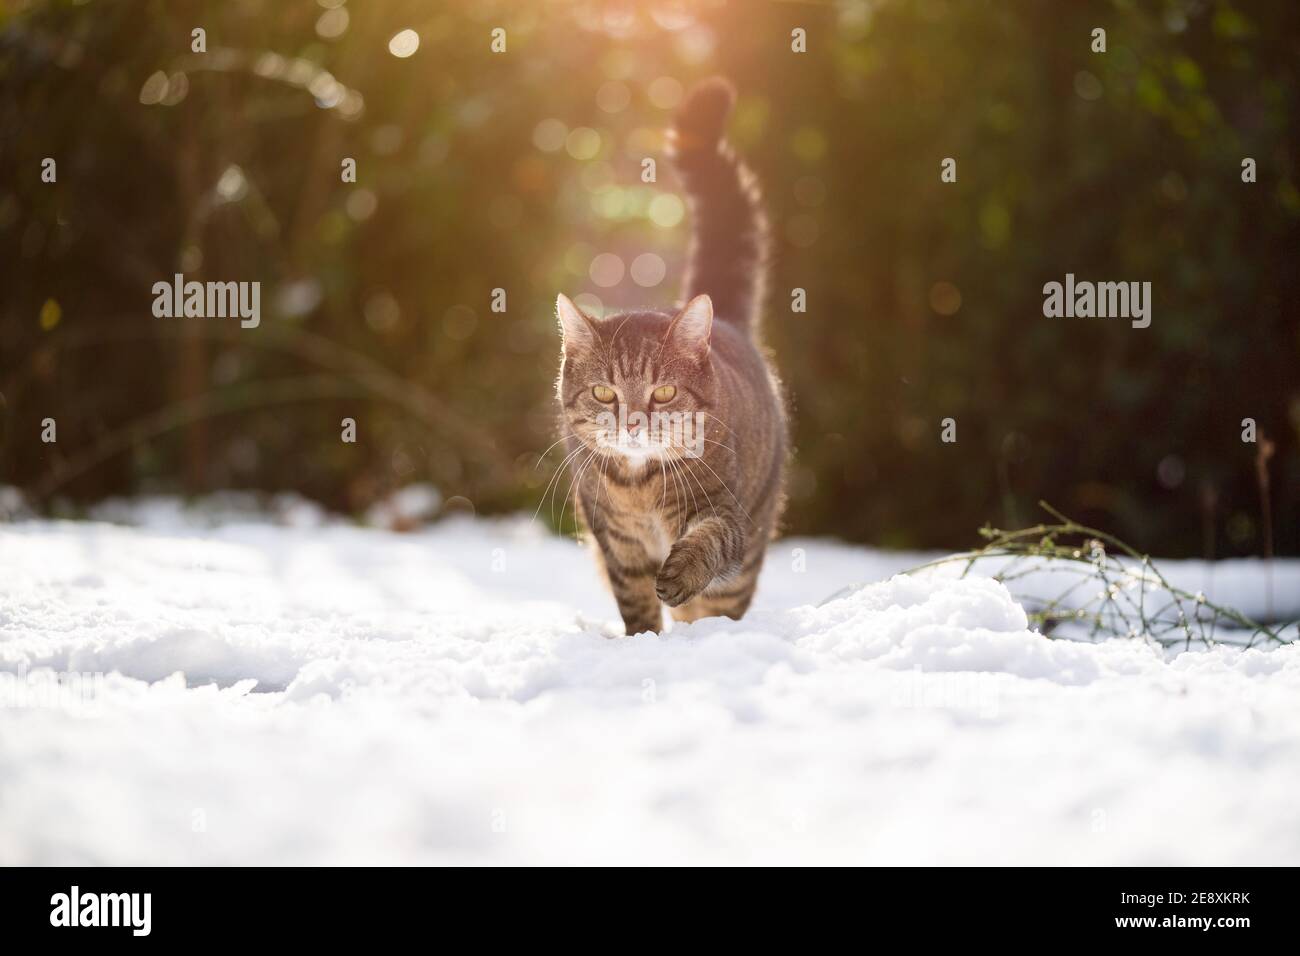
(684, 574)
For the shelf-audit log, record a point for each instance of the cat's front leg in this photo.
(711, 547)
(632, 579)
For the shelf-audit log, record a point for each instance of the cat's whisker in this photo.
(695, 505)
(726, 488)
(699, 483)
(604, 464)
(718, 443)
(568, 461)
(663, 485)
(564, 502)
(575, 484)
(721, 422)
(558, 471)
(677, 497)
(542, 456)
(667, 472)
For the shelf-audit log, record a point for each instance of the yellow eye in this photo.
(603, 393)
(665, 393)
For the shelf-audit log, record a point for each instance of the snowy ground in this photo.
(309, 692)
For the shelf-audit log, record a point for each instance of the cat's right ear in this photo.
(575, 325)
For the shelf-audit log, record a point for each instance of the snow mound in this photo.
(309, 692)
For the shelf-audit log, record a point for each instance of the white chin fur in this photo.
(637, 455)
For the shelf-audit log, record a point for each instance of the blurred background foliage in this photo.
(521, 171)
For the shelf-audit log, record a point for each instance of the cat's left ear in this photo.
(694, 324)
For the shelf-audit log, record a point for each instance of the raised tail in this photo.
(729, 245)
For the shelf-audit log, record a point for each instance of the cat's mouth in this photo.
(636, 449)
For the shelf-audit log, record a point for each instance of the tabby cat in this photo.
(674, 420)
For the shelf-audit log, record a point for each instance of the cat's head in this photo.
(638, 386)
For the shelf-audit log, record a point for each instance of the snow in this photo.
(231, 687)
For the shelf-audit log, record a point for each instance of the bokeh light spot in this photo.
(459, 322)
(332, 24)
(51, 312)
(178, 84)
(404, 43)
(327, 91)
(387, 139)
(270, 65)
(1087, 86)
(382, 312)
(672, 14)
(458, 504)
(583, 142)
(233, 185)
(549, 135)
(666, 210)
(809, 144)
(613, 96)
(361, 204)
(608, 203)
(1171, 471)
(154, 89)
(606, 270)
(352, 105)
(1173, 186)
(945, 298)
(695, 45)
(298, 297)
(665, 92)
(648, 270)
(434, 148)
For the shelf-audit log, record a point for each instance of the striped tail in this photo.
(729, 245)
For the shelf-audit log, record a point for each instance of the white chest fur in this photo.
(654, 537)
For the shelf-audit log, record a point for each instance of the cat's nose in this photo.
(633, 427)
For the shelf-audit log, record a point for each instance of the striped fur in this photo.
(729, 242)
(675, 528)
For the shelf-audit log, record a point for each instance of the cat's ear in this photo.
(694, 324)
(575, 325)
